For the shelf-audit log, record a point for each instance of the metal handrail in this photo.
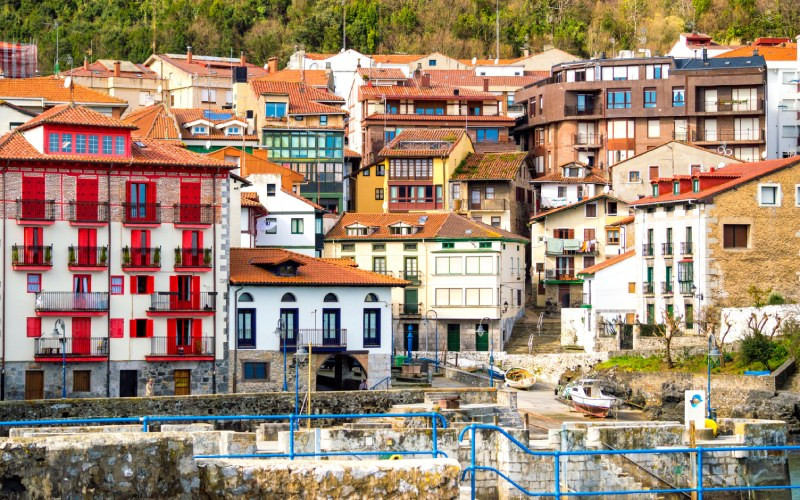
(387, 380)
(645, 469)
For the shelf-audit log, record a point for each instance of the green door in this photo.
(482, 341)
(411, 304)
(453, 337)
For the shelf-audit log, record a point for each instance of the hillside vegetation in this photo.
(126, 29)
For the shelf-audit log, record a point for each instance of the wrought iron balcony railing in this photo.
(141, 257)
(193, 257)
(177, 301)
(71, 301)
(87, 256)
(39, 210)
(71, 346)
(32, 255)
(182, 346)
(141, 213)
(193, 214)
(87, 211)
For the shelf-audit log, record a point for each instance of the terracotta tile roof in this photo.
(74, 115)
(317, 78)
(252, 266)
(254, 165)
(423, 142)
(785, 52)
(490, 166)
(340, 261)
(412, 88)
(303, 98)
(216, 116)
(250, 200)
(468, 78)
(739, 173)
(219, 67)
(490, 62)
(624, 222)
(542, 215)
(304, 200)
(382, 73)
(349, 153)
(430, 226)
(558, 178)
(396, 58)
(455, 119)
(51, 90)
(104, 68)
(14, 146)
(608, 262)
(317, 56)
(155, 122)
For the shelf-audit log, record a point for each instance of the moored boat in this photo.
(587, 397)
(520, 378)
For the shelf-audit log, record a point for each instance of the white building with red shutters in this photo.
(111, 246)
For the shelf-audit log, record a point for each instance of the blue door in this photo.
(331, 327)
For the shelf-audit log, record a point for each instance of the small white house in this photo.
(340, 313)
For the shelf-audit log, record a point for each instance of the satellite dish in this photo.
(764, 155)
(159, 89)
(721, 164)
(67, 82)
(474, 61)
(606, 189)
(208, 144)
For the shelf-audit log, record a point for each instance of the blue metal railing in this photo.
(434, 452)
(385, 380)
(557, 454)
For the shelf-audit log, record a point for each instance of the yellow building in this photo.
(413, 172)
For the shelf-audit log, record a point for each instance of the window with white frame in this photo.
(449, 297)
(479, 296)
(653, 128)
(789, 131)
(449, 265)
(209, 95)
(479, 265)
(199, 129)
(233, 130)
(769, 195)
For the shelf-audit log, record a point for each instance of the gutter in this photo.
(3, 321)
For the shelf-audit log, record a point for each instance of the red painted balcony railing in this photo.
(182, 346)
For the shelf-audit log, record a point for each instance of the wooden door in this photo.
(82, 336)
(86, 200)
(33, 198)
(190, 202)
(128, 383)
(182, 379)
(34, 384)
(453, 337)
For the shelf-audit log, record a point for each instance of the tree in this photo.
(667, 331)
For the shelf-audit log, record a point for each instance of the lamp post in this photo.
(436, 335)
(63, 339)
(713, 352)
(481, 332)
(282, 336)
(299, 356)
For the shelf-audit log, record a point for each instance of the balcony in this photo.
(410, 309)
(686, 288)
(141, 259)
(193, 259)
(587, 140)
(589, 109)
(192, 215)
(558, 246)
(32, 258)
(686, 248)
(415, 277)
(666, 249)
(87, 212)
(87, 258)
(648, 288)
(177, 303)
(647, 249)
(176, 349)
(408, 206)
(666, 287)
(730, 105)
(71, 303)
(322, 339)
(48, 349)
(748, 135)
(490, 205)
(141, 214)
(36, 211)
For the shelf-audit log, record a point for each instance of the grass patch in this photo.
(733, 365)
(633, 364)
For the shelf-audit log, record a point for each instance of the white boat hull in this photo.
(519, 378)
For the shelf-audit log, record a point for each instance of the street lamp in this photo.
(697, 295)
(436, 330)
(481, 332)
(713, 352)
(63, 339)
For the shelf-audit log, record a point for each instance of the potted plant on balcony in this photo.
(48, 255)
(178, 256)
(157, 256)
(71, 255)
(15, 255)
(126, 256)
(207, 257)
(103, 255)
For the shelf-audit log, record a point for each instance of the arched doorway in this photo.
(340, 372)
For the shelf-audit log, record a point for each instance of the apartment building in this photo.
(603, 111)
(783, 89)
(706, 238)
(195, 81)
(112, 250)
(570, 183)
(462, 274)
(288, 303)
(136, 84)
(571, 238)
(485, 80)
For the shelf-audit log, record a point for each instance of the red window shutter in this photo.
(151, 284)
(570, 234)
(187, 240)
(81, 335)
(149, 328)
(128, 192)
(197, 328)
(132, 328)
(199, 239)
(34, 327)
(196, 292)
(116, 328)
(173, 288)
(172, 329)
(134, 288)
(136, 238)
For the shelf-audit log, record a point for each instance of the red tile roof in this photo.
(625, 221)
(412, 88)
(558, 178)
(252, 266)
(51, 90)
(155, 122)
(184, 116)
(608, 262)
(317, 78)
(442, 118)
(71, 114)
(490, 166)
(490, 62)
(468, 78)
(349, 153)
(430, 226)
(104, 68)
(738, 173)
(382, 73)
(396, 58)
(340, 261)
(785, 52)
(542, 215)
(418, 142)
(250, 200)
(303, 99)
(219, 67)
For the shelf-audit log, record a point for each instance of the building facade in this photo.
(134, 83)
(112, 249)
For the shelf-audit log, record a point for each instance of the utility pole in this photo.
(497, 29)
(344, 26)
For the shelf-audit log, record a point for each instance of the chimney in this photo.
(755, 52)
(526, 52)
(272, 65)
(358, 62)
(189, 54)
(705, 54)
(425, 81)
(242, 59)
(86, 63)
(117, 68)
(486, 85)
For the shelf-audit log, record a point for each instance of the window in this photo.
(34, 283)
(611, 208)
(619, 99)
(453, 245)
(117, 285)
(141, 328)
(735, 235)
(479, 265)
(199, 129)
(348, 247)
(107, 144)
(479, 296)
(233, 131)
(323, 120)
(380, 170)
(591, 210)
(66, 143)
(632, 287)
(588, 261)
(487, 135)
(208, 95)
(141, 285)
(653, 129)
(119, 146)
(297, 226)
(256, 370)
(246, 327)
(116, 328)
(649, 98)
(678, 97)
(612, 237)
(449, 297)
(81, 380)
(54, 143)
(485, 244)
(331, 297)
(80, 143)
(388, 136)
(372, 327)
(449, 265)
(562, 191)
(379, 265)
(431, 62)
(93, 144)
(410, 247)
(769, 195)
(34, 327)
(378, 193)
(275, 109)
(271, 225)
(633, 176)
(489, 192)
(271, 189)
(676, 187)
(496, 221)
(365, 173)
(695, 185)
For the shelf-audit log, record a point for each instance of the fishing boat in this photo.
(520, 378)
(587, 397)
(496, 373)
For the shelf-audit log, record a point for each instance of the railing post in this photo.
(557, 473)
(291, 436)
(472, 461)
(435, 445)
(699, 485)
(144, 424)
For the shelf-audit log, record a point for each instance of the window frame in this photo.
(121, 285)
(297, 225)
(28, 282)
(275, 226)
(85, 379)
(778, 194)
(734, 244)
(250, 364)
(379, 194)
(373, 341)
(586, 210)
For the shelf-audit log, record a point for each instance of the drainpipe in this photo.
(3, 325)
(236, 333)
(108, 277)
(214, 288)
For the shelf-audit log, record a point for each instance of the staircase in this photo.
(526, 334)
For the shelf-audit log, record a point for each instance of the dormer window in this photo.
(105, 143)
(233, 131)
(357, 230)
(696, 185)
(287, 270)
(199, 129)
(655, 190)
(573, 172)
(402, 229)
(676, 187)
(66, 143)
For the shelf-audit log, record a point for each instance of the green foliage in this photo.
(758, 348)
(775, 299)
(632, 364)
(790, 331)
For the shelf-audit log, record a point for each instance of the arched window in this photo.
(288, 297)
(245, 297)
(331, 298)
(371, 297)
